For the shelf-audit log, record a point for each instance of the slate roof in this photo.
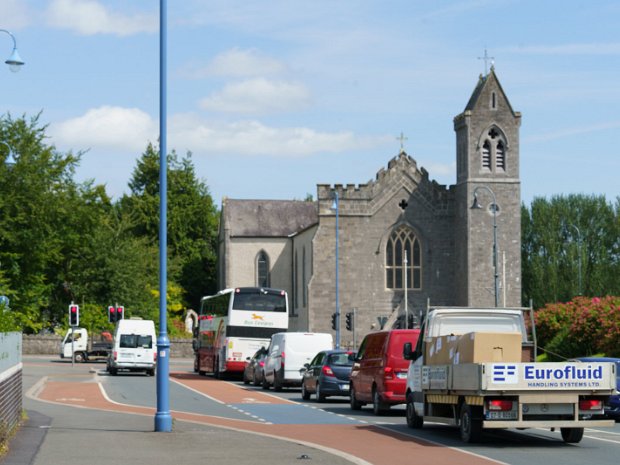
(267, 218)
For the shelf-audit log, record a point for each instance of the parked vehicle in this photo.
(379, 375)
(612, 405)
(472, 369)
(85, 348)
(287, 354)
(253, 372)
(135, 347)
(327, 375)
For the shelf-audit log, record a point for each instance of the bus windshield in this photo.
(259, 300)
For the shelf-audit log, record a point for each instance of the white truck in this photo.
(84, 348)
(475, 369)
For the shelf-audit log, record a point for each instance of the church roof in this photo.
(267, 218)
(491, 80)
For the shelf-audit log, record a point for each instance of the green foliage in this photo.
(570, 247)
(584, 326)
(61, 241)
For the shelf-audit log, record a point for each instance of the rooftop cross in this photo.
(486, 58)
(402, 140)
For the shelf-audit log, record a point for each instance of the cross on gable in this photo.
(486, 58)
(402, 139)
(403, 204)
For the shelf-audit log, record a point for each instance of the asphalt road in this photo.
(286, 414)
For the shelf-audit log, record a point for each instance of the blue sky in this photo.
(274, 97)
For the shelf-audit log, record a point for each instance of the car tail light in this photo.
(388, 373)
(590, 404)
(261, 364)
(115, 355)
(283, 358)
(327, 371)
(499, 405)
(154, 356)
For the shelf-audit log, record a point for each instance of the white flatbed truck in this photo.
(522, 394)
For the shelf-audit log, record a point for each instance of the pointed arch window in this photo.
(262, 270)
(402, 244)
(500, 156)
(486, 155)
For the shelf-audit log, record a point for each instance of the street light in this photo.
(10, 158)
(336, 207)
(476, 206)
(163, 419)
(14, 61)
(579, 252)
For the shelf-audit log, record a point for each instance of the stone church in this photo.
(403, 239)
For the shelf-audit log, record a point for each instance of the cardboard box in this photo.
(488, 347)
(441, 350)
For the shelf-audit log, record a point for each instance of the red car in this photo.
(379, 375)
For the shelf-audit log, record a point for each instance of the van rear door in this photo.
(135, 349)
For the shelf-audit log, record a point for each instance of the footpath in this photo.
(60, 433)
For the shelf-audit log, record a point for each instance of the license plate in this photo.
(401, 375)
(344, 387)
(511, 415)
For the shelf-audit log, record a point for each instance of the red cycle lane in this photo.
(370, 443)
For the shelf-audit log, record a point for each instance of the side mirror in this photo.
(408, 353)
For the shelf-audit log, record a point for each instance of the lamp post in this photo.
(579, 256)
(10, 158)
(476, 206)
(163, 419)
(14, 61)
(336, 207)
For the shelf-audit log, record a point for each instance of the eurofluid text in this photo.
(569, 372)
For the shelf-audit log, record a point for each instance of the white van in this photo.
(134, 348)
(287, 354)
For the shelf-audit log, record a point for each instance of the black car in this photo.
(327, 374)
(612, 405)
(253, 371)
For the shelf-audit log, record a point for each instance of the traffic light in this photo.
(334, 321)
(120, 313)
(74, 315)
(111, 314)
(349, 321)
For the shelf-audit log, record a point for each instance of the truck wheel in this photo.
(571, 435)
(355, 404)
(471, 424)
(413, 419)
(378, 406)
(79, 357)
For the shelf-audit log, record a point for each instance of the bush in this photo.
(581, 327)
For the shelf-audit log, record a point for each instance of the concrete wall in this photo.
(10, 383)
(50, 345)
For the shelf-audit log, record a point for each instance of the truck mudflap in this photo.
(504, 424)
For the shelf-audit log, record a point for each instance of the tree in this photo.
(192, 220)
(570, 246)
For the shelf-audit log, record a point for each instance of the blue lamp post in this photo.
(476, 205)
(14, 61)
(335, 206)
(163, 419)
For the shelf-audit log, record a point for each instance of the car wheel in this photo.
(150, 372)
(277, 383)
(320, 397)
(257, 380)
(355, 404)
(378, 406)
(471, 424)
(79, 357)
(413, 419)
(571, 435)
(265, 383)
(245, 378)
(305, 395)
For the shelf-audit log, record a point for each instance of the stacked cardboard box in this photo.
(474, 347)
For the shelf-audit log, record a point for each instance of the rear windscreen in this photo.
(135, 341)
(345, 360)
(259, 301)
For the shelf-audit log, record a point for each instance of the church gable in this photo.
(489, 95)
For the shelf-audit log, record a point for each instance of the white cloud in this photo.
(575, 131)
(130, 129)
(238, 63)
(90, 17)
(567, 49)
(252, 138)
(106, 128)
(256, 96)
(15, 14)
